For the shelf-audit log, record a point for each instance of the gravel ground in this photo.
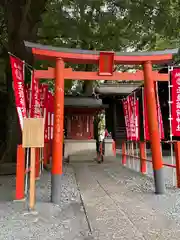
(66, 221)
(100, 202)
(169, 173)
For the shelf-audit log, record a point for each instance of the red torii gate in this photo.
(106, 61)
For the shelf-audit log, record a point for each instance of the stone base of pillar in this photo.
(56, 188)
(108, 147)
(159, 181)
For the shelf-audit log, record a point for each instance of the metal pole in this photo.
(40, 159)
(144, 127)
(137, 133)
(32, 181)
(129, 142)
(170, 125)
(28, 149)
(27, 173)
(42, 162)
(132, 143)
(153, 129)
(57, 155)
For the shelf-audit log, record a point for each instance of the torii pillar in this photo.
(153, 129)
(57, 151)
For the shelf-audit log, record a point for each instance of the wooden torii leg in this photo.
(153, 129)
(57, 152)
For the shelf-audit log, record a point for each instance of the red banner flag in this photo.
(50, 102)
(35, 111)
(146, 130)
(131, 114)
(17, 67)
(133, 110)
(50, 112)
(137, 121)
(126, 117)
(175, 98)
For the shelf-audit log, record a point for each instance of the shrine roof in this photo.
(91, 56)
(83, 102)
(117, 88)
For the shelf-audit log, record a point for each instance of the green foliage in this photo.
(110, 25)
(99, 24)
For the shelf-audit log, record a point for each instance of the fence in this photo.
(137, 156)
(42, 156)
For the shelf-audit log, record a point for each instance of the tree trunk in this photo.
(88, 85)
(22, 19)
(12, 124)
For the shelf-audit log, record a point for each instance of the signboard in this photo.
(33, 133)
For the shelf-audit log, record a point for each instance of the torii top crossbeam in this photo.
(89, 56)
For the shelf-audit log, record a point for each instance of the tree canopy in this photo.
(125, 25)
(110, 25)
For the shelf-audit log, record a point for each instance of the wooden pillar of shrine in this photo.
(57, 152)
(153, 129)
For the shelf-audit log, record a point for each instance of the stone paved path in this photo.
(102, 202)
(121, 204)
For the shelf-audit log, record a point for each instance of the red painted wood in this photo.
(94, 58)
(117, 76)
(20, 171)
(106, 63)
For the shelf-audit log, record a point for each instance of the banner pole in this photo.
(28, 150)
(26, 64)
(137, 131)
(32, 181)
(130, 133)
(144, 127)
(170, 123)
(132, 142)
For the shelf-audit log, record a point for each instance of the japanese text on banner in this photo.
(17, 67)
(175, 95)
(126, 117)
(35, 109)
(131, 114)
